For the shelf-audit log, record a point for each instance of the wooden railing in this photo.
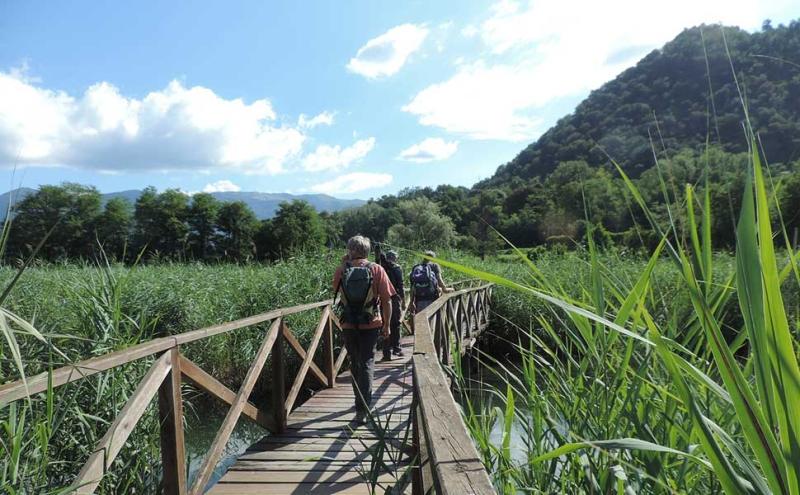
(448, 461)
(164, 379)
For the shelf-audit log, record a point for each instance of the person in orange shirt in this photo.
(363, 298)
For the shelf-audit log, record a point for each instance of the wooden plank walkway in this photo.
(323, 451)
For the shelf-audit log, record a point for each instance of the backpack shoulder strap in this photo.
(345, 266)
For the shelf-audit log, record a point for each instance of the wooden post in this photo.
(278, 384)
(479, 307)
(437, 336)
(327, 351)
(463, 317)
(451, 313)
(444, 331)
(473, 313)
(170, 416)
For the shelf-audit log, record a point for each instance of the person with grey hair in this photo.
(426, 283)
(363, 300)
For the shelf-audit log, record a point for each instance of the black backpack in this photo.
(357, 305)
(395, 274)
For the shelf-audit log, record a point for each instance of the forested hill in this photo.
(672, 86)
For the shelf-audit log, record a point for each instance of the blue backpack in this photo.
(424, 282)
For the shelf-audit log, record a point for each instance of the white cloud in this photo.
(171, 129)
(428, 150)
(386, 54)
(327, 157)
(470, 31)
(352, 183)
(538, 52)
(325, 118)
(483, 102)
(221, 186)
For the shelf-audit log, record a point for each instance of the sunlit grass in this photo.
(623, 387)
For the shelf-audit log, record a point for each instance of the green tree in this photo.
(70, 209)
(371, 220)
(332, 226)
(237, 226)
(202, 219)
(487, 211)
(422, 226)
(113, 227)
(296, 227)
(161, 222)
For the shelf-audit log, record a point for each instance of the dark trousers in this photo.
(360, 345)
(423, 303)
(394, 325)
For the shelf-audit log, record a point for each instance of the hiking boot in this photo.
(361, 418)
(397, 351)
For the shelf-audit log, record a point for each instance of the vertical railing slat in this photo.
(279, 383)
(327, 351)
(170, 415)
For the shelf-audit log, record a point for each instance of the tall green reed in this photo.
(638, 399)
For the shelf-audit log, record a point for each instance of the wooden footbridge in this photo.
(415, 442)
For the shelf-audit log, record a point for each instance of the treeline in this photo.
(169, 225)
(555, 211)
(71, 222)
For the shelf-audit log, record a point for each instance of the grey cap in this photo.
(391, 255)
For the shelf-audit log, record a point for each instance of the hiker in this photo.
(426, 283)
(364, 296)
(395, 273)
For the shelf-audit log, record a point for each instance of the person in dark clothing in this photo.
(395, 273)
(426, 284)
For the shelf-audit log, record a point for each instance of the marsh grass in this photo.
(80, 311)
(621, 386)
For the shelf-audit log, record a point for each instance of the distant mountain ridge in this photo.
(264, 205)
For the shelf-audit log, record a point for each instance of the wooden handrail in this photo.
(164, 378)
(449, 464)
(470, 282)
(9, 392)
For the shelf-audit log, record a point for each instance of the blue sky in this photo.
(353, 99)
